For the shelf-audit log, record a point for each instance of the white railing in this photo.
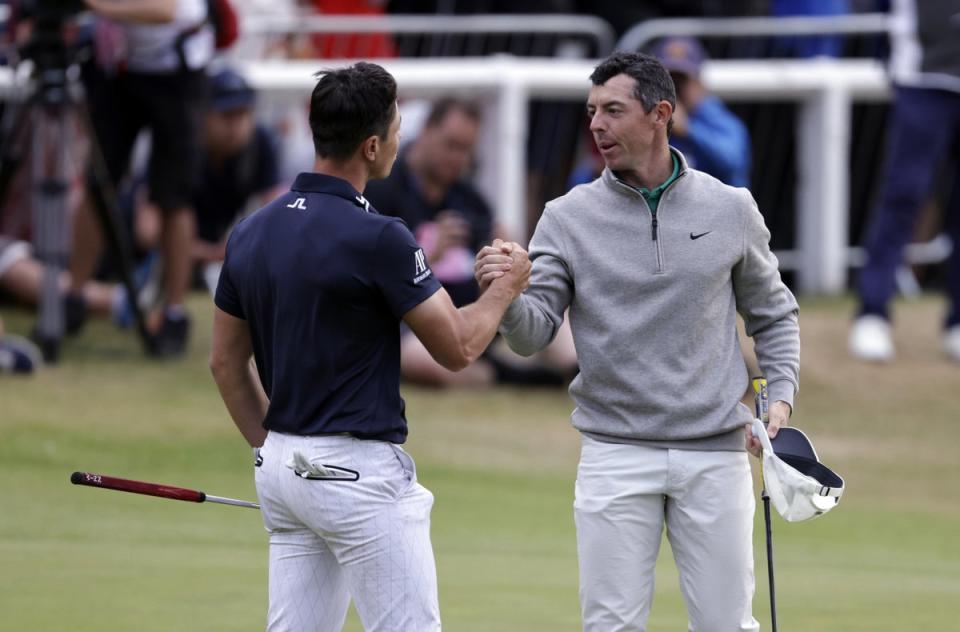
(590, 27)
(643, 33)
(825, 90)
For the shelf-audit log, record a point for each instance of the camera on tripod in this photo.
(47, 46)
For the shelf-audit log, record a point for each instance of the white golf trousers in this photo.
(625, 494)
(331, 540)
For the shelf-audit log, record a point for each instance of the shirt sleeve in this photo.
(227, 297)
(770, 311)
(532, 321)
(400, 269)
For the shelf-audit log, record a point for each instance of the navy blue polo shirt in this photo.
(323, 280)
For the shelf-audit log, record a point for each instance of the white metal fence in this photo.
(824, 89)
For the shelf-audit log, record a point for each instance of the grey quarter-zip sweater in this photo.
(653, 298)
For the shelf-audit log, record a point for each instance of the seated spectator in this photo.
(710, 136)
(452, 221)
(21, 277)
(238, 173)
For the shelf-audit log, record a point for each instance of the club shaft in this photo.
(152, 489)
(232, 501)
(773, 589)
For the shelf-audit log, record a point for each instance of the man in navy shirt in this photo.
(314, 287)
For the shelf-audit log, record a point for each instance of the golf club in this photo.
(760, 406)
(154, 489)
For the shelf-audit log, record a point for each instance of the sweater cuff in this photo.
(781, 391)
(511, 317)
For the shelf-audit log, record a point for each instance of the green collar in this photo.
(658, 191)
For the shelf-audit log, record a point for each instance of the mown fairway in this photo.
(501, 465)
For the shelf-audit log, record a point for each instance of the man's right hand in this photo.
(518, 277)
(492, 262)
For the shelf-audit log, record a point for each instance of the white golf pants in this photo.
(625, 494)
(331, 540)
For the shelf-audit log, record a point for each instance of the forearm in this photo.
(139, 11)
(532, 321)
(479, 321)
(528, 327)
(246, 402)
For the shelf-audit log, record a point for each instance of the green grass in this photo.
(501, 464)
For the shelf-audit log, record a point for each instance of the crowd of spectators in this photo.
(209, 152)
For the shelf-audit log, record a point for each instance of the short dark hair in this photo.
(349, 105)
(653, 82)
(444, 106)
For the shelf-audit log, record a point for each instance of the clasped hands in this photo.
(503, 263)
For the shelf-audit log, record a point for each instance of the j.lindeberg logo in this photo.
(298, 204)
(692, 236)
(363, 202)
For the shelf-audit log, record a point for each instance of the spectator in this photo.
(451, 220)
(239, 173)
(352, 45)
(150, 73)
(21, 277)
(922, 127)
(820, 46)
(711, 137)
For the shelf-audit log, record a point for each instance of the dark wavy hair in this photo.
(652, 81)
(349, 105)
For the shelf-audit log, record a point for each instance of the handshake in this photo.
(503, 264)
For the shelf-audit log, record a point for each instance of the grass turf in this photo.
(501, 464)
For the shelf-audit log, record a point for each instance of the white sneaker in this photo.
(871, 340)
(951, 343)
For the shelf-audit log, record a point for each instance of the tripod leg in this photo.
(104, 199)
(50, 223)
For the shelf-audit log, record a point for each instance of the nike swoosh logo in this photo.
(692, 236)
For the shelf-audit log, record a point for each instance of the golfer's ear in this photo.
(664, 112)
(370, 147)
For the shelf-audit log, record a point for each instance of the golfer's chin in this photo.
(614, 164)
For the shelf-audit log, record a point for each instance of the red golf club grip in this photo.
(137, 487)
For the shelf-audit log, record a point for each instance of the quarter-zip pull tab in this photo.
(653, 227)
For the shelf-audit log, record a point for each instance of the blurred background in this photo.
(134, 135)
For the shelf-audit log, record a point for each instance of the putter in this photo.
(154, 489)
(760, 406)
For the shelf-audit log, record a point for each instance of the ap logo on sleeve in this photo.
(420, 269)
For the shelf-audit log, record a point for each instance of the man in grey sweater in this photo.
(654, 260)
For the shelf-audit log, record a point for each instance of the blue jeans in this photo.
(923, 126)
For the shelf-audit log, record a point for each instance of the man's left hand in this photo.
(778, 415)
